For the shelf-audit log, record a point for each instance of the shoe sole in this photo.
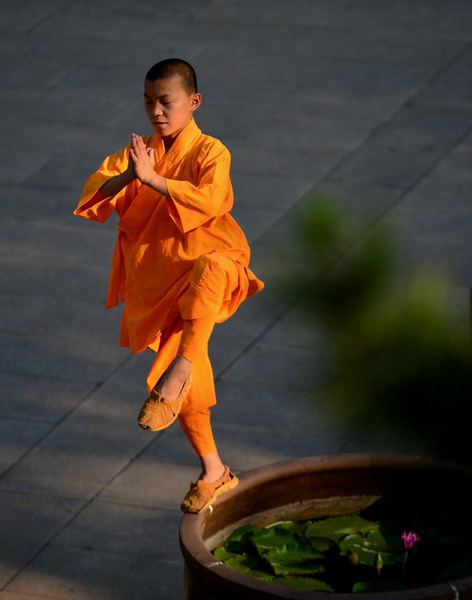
(147, 428)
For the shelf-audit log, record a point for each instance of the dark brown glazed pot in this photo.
(317, 486)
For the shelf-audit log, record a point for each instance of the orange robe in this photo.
(160, 238)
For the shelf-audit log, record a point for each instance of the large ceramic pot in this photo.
(312, 487)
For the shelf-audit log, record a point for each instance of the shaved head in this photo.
(174, 66)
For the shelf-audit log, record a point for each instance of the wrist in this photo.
(155, 181)
(127, 177)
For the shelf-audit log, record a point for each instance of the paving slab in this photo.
(113, 527)
(32, 520)
(333, 43)
(265, 405)
(59, 357)
(48, 202)
(402, 150)
(365, 18)
(48, 316)
(78, 574)
(433, 220)
(152, 481)
(451, 87)
(54, 277)
(43, 238)
(288, 367)
(24, 17)
(39, 398)
(17, 438)
(91, 445)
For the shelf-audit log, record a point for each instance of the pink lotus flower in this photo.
(410, 539)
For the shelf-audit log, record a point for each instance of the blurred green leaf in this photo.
(303, 583)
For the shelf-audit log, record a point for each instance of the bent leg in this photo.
(197, 428)
(213, 279)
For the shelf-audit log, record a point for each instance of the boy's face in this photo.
(168, 105)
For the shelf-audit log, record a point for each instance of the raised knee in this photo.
(209, 260)
(208, 266)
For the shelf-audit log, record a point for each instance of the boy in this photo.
(180, 263)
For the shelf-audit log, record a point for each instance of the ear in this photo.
(196, 101)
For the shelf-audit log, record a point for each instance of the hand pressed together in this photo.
(142, 162)
(142, 159)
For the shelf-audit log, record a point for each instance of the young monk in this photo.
(181, 262)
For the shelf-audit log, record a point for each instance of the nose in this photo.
(157, 109)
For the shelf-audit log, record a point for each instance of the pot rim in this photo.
(203, 562)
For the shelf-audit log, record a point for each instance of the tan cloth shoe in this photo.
(202, 493)
(159, 412)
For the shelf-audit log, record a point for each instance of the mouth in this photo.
(159, 123)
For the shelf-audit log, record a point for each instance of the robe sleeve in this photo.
(100, 210)
(192, 205)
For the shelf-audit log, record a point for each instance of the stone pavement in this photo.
(372, 98)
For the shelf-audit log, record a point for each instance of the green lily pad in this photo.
(308, 567)
(323, 544)
(385, 539)
(238, 541)
(354, 540)
(383, 586)
(366, 551)
(246, 566)
(337, 527)
(292, 554)
(275, 536)
(303, 583)
(221, 554)
(293, 526)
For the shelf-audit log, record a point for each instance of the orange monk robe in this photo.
(159, 238)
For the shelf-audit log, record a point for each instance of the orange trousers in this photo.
(213, 278)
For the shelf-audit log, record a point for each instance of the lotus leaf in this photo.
(221, 554)
(303, 583)
(366, 552)
(294, 526)
(323, 544)
(383, 586)
(307, 567)
(275, 536)
(292, 554)
(238, 541)
(336, 528)
(385, 539)
(246, 566)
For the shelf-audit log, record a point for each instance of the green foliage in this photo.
(303, 583)
(323, 544)
(248, 566)
(238, 541)
(337, 527)
(393, 340)
(274, 537)
(348, 553)
(374, 586)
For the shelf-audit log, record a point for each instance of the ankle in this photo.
(211, 475)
